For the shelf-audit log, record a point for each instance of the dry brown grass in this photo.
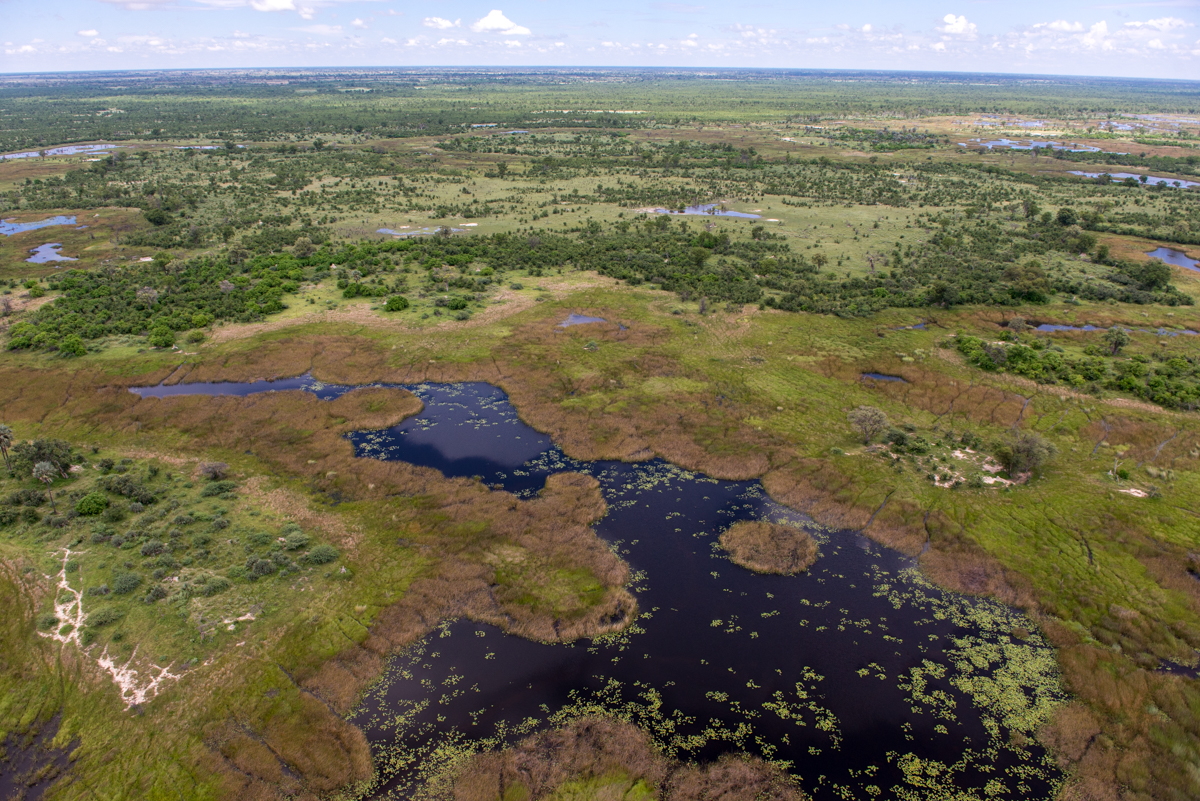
(619, 754)
(769, 547)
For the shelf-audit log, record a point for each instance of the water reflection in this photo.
(8, 227)
(858, 676)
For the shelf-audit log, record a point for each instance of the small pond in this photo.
(1152, 180)
(884, 377)
(711, 210)
(858, 676)
(1176, 257)
(1012, 144)
(43, 254)
(8, 227)
(1048, 328)
(67, 150)
(416, 231)
(580, 319)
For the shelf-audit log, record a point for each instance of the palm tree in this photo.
(6, 441)
(46, 473)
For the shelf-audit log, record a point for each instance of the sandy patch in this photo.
(68, 608)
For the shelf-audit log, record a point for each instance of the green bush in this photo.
(152, 548)
(72, 346)
(46, 621)
(321, 555)
(396, 303)
(104, 616)
(295, 541)
(218, 488)
(125, 583)
(92, 504)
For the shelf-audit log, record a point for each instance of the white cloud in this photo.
(387, 40)
(866, 28)
(439, 23)
(1155, 44)
(691, 42)
(358, 23)
(496, 22)
(273, 5)
(89, 33)
(1162, 24)
(940, 47)
(1062, 26)
(958, 26)
(1097, 36)
(452, 41)
(512, 43)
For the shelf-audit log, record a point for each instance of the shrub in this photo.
(321, 555)
(218, 488)
(102, 590)
(214, 471)
(125, 583)
(46, 620)
(396, 303)
(1024, 452)
(152, 548)
(157, 593)
(257, 568)
(92, 504)
(104, 616)
(72, 346)
(295, 541)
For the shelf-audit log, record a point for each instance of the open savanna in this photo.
(736, 394)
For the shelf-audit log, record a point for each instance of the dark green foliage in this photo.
(46, 621)
(26, 497)
(256, 568)
(129, 488)
(295, 541)
(1024, 452)
(152, 548)
(25, 455)
(396, 303)
(321, 555)
(125, 583)
(93, 503)
(105, 615)
(218, 488)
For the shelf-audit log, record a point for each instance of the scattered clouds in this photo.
(88, 33)
(496, 22)
(958, 26)
(439, 23)
(679, 8)
(358, 23)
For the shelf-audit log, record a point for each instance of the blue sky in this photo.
(1142, 39)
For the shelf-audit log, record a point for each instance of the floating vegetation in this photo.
(858, 677)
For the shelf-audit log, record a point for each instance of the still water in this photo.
(858, 676)
(8, 227)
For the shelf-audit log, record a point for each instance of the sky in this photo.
(1155, 39)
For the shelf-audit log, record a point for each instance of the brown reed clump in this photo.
(615, 755)
(769, 547)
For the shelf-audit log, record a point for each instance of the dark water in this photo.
(711, 210)
(417, 231)
(1015, 145)
(1152, 180)
(1048, 328)
(580, 319)
(8, 227)
(1176, 257)
(858, 676)
(43, 254)
(68, 150)
(884, 377)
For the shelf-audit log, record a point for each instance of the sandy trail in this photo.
(68, 608)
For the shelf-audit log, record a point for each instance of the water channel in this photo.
(858, 676)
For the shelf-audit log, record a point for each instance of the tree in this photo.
(1116, 338)
(1018, 325)
(868, 421)
(6, 441)
(1025, 452)
(162, 337)
(45, 473)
